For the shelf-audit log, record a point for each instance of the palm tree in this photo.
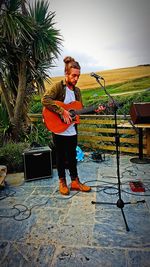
(29, 43)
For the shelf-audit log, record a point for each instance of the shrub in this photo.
(36, 108)
(35, 104)
(38, 134)
(11, 156)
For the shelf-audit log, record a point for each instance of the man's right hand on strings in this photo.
(66, 116)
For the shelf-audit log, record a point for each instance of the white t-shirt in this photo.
(70, 96)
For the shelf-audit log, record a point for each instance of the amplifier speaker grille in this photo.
(37, 163)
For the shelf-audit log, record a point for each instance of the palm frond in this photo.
(47, 39)
(39, 11)
(13, 5)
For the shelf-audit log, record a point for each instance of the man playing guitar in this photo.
(64, 127)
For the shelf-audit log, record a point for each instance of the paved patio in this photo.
(39, 227)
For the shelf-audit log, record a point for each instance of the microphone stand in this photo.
(120, 203)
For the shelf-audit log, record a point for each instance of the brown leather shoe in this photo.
(76, 185)
(63, 188)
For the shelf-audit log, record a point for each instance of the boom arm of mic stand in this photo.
(116, 105)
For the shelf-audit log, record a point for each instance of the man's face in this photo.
(72, 77)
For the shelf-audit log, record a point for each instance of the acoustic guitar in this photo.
(54, 122)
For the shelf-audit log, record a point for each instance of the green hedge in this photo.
(11, 156)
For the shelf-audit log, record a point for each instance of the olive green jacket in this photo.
(58, 92)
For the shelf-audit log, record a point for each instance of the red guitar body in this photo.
(53, 121)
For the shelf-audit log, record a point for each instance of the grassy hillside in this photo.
(136, 90)
(124, 88)
(126, 85)
(114, 76)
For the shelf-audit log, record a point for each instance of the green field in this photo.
(124, 89)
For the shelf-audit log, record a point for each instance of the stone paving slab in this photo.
(69, 230)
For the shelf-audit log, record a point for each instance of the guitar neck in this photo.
(85, 110)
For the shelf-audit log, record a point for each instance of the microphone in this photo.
(93, 74)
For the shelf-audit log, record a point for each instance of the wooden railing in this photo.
(98, 132)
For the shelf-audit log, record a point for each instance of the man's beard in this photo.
(71, 84)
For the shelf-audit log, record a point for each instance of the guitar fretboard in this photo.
(85, 110)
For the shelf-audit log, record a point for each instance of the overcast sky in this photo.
(103, 34)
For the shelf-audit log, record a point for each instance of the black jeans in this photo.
(66, 153)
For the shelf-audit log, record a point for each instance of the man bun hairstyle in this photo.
(70, 63)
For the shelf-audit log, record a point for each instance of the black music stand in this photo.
(120, 203)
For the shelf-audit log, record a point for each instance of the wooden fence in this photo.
(98, 132)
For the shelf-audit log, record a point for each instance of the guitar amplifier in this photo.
(37, 163)
(140, 113)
